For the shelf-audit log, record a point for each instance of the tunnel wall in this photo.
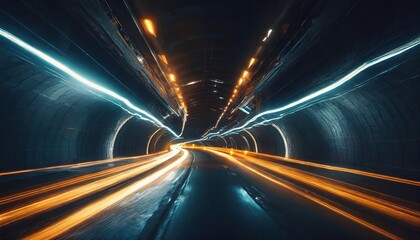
(376, 125)
(47, 120)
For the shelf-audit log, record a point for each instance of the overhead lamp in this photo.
(245, 74)
(148, 24)
(268, 35)
(163, 57)
(172, 77)
(251, 62)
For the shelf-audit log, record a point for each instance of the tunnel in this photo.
(273, 119)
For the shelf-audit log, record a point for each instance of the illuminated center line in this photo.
(115, 96)
(341, 81)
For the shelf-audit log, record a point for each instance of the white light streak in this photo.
(340, 82)
(243, 110)
(144, 115)
(268, 35)
(283, 136)
(253, 139)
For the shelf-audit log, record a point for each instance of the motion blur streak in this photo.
(334, 168)
(115, 96)
(76, 165)
(78, 180)
(338, 83)
(59, 199)
(343, 190)
(341, 169)
(83, 214)
(308, 195)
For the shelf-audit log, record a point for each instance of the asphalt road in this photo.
(207, 194)
(223, 200)
(213, 205)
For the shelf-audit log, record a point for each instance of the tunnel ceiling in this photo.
(208, 43)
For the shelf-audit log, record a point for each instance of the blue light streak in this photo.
(117, 99)
(306, 99)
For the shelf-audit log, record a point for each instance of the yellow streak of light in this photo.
(59, 199)
(245, 74)
(306, 194)
(149, 27)
(76, 218)
(172, 77)
(251, 62)
(335, 168)
(76, 165)
(342, 169)
(164, 59)
(343, 190)
(72, 181)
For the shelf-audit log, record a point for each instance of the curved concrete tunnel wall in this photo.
(376, 125)
(47, 121)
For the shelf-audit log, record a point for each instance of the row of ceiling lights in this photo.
(245, 76)
(151, 30)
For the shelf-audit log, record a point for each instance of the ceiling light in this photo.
(172, 77)
(245, 74)
(251, 62)
(149, 27)
(268, 35)
(163, 57)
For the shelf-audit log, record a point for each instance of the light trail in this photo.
(115, 97)
(59, 199)
(332, 168)
(308, 195)
(76, 165)
(253, 139)
(322, 91)
(65, 224)
(341, 189)
(78, 180)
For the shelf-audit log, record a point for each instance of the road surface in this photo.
(208, 193)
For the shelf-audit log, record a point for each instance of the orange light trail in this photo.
(59, 199)
(76, 165)
(343, 190)
(333, 168)
(308, 195)
(76, 180)
(150, 27)
(65, 224)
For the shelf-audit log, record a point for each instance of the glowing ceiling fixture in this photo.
(148, 24)
(338, 83)
(193, 82)
(164, 59)
(268, 35)
(245, 74)
(251, 62)
(140, 59)
(172, 77)
(217, 81)
(115, 98)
